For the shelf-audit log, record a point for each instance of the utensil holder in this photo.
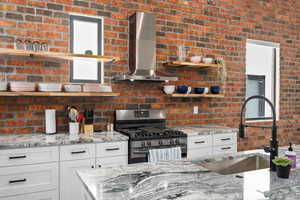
(74, 129)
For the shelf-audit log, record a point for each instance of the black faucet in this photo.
(273, 149)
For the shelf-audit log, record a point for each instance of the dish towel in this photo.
(156, 155)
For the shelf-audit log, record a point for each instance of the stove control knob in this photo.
(143, 144)
(160, 142)
(149, 143)
(177, 141)
(171, 141)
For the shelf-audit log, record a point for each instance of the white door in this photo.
(70, 184)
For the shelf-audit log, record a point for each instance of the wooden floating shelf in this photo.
(191, 64)
(56, 55)
(198, 95)
(60, 94)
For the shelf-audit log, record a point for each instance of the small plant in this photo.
(283, 162)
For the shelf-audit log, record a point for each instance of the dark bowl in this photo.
(199, 90)
(182, 89)
(215, 89)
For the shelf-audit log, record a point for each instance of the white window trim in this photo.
(277, 86)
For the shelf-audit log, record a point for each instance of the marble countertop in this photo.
(11, 141)
(184, 180)
(210, 129)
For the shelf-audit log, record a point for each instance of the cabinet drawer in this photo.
(199, 142)
(111, 149)
(77, 152)
(14, 157)
(48, 195)
(224, 139)
(225, 149)
(28, 179)
(112, 161)
(194, 154)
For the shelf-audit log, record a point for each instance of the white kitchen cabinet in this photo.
(47, 195)
(196, 142)
(70, 185)
(194, 154)
(224, 139)
(77, 152)
(110, 149)
(230, 148)
(28, 179)
(207, 145)
(112, 161)
(25, 156)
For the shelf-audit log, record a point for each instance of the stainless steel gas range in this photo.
(147, 130)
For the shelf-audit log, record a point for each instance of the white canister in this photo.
(74, 129)
(50, 121)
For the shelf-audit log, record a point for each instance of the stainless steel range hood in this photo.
(142, 50)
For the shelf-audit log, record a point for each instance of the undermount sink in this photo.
(237, 165)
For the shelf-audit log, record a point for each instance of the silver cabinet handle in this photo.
(225, 139)
(17, 157)
(17, 181)
(77, 152)
(200, 142)
(113, 149)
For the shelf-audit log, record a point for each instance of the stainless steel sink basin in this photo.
(237, 165)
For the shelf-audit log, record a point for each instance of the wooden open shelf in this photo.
(191, 64)
(60, 94)
(198, 95)
(56, 55)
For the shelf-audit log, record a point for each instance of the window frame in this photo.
(276, 74)
(100, 23)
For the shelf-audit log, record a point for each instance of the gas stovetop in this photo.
(145, 133)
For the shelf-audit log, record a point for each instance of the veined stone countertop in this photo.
(184, 180)
(11, 141)
(210, 129)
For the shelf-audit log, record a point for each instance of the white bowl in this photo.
(72, 88)
(22, 86)
(169, 89)
(105, 88)
(3, 86)
(207, 60)
(49, 87)
(196, 59)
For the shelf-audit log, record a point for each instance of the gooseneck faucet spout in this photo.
(273, 149)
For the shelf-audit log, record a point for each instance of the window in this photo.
(86, 35)
(262, 78)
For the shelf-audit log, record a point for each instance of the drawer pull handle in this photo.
(200, 142)
(226, 148)
(16, 157)
(17, 181)
(225, 139)
(77, 152)
(113, 149)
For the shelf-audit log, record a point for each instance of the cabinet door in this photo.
(194, 154)
(112, 161)
(48, 195)
(28, 179)
(70, 184)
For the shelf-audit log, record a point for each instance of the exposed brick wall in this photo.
(211, 30)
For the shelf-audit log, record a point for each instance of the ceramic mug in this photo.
(183, 89)
(206, 90)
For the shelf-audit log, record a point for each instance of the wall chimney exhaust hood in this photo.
(142, 50)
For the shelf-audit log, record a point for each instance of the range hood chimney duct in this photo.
(142, 50)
